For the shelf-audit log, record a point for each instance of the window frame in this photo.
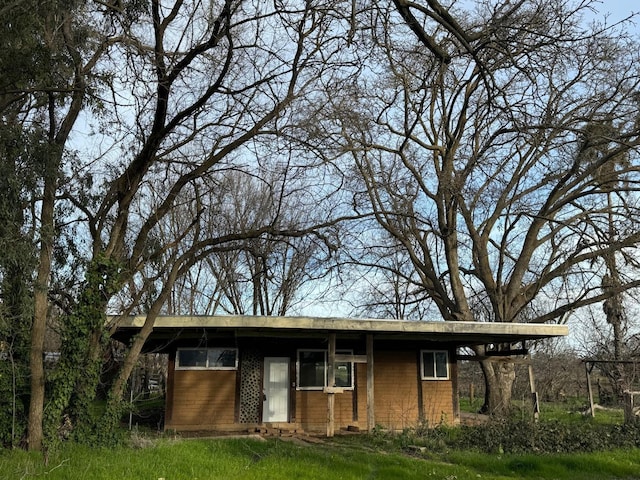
(435, 353)
(326, 362)
(207, 353)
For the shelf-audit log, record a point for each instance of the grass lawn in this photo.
(280, 459)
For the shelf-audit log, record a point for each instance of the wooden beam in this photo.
(455, 392)
(534, 394)
(371, 415)
(354, 395)
(507, 353)
(629, 417)
(625, 362)
(347, 358)
(491, 358)
(420, 392)
(331, 382)
(590, 390)
(168, 407)
(332, 390)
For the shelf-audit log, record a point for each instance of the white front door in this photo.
(276, 390)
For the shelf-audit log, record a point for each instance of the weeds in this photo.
(515, 434)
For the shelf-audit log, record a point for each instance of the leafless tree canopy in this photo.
(483, 157)
(496, 165)
(497, 149)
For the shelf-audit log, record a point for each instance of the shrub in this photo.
(514, 434)
(517, 435)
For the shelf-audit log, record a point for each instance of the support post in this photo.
(331, 382)
(589, 388)
(629, 417)
(534, 394)
(371, 416)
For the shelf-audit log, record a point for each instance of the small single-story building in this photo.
(234, 373)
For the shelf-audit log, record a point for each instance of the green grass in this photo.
(602, 465)
(570, 411)
(213, 459)
(357, 458)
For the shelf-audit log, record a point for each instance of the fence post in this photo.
(629, 417)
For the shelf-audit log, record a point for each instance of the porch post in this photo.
(534, 393)
(587, 372)
(331, 382)
(371, 416)
(169, 390)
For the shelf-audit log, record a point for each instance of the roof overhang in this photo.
(458, 333)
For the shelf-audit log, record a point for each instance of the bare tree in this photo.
(259, 275)
(388, 284)
(469, 154)
(204, 86)
(265, 276)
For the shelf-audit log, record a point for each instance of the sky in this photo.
(620, 9)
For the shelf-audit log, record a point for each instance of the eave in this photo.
(456, 333)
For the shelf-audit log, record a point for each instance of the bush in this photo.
(517, 435)
(514, 434)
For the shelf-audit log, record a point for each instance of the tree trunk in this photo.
(41, 304)
(77, 372)
(36, 364)
(114, 398)
(499, 377)
(57, 138)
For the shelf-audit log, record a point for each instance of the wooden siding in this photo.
(361, 396)
(396, 389)
(438, 402)
(203, 400)
(311, 410)
(397, 397)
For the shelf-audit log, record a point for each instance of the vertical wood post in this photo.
(589, 388)
(629, 417)
(534, 393)
(371, 416)
(421, 417)
(331, 382)
(168, 402)
(455, 387)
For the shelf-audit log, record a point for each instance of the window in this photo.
(343, 373)
(207, 359)
(435, 364)
(312, 370)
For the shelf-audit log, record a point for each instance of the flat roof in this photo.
(462, 333)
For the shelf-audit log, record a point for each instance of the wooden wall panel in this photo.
(438, 402)
(396, 389)
(203, 398)
(396, 393)
(311, 410)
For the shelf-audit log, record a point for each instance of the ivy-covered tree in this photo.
(170, 97)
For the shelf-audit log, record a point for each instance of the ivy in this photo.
(70, 411)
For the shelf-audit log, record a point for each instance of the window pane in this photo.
(343, 374)
(428, 365)
(192, 358)
(311, 369)
(441, 364)
(221, 357)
